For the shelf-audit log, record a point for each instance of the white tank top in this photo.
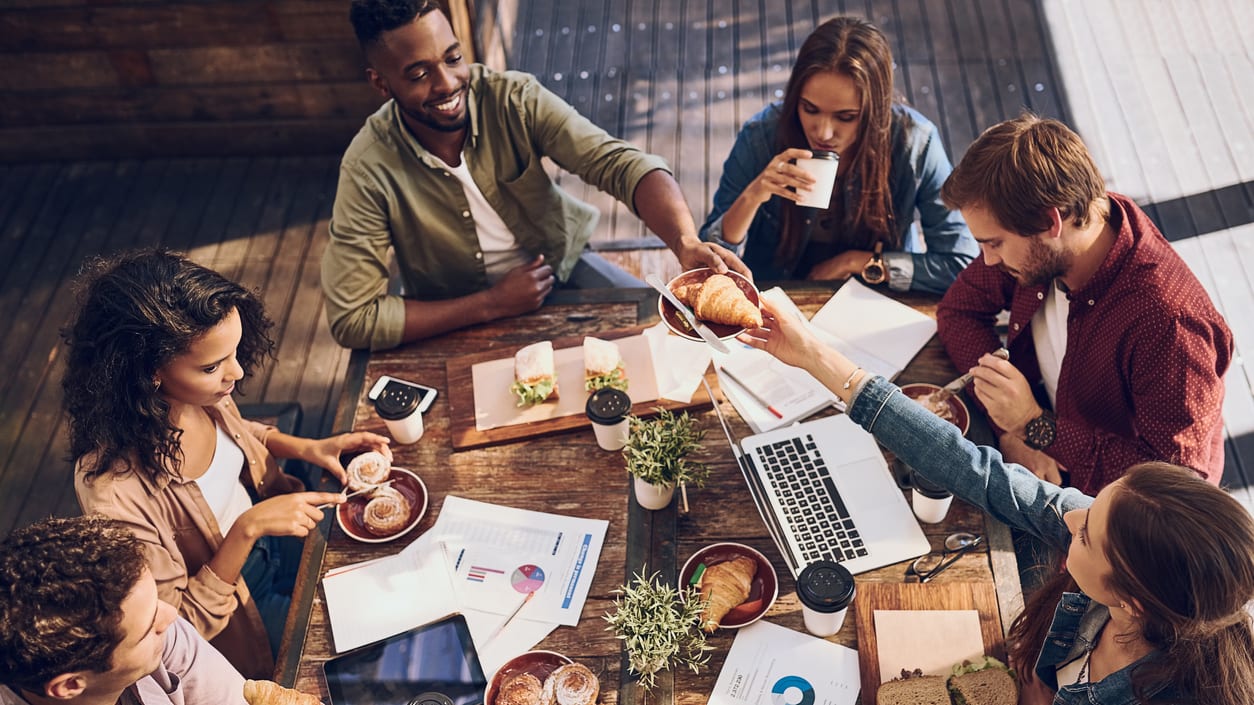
(221, 486)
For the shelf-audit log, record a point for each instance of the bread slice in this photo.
(991, 686)
(917, 690)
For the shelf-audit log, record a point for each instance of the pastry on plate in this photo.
(725, 586)
(535, 376)
(271, 693)
(720, 300)
(386, 511)
(571, 684)
(602, 365)
(370, 469)
(520, 689)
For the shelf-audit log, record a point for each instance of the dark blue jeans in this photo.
(270, 574)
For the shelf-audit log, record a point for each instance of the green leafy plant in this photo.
(659, 627)
(657, 449)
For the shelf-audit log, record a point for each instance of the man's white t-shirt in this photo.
(1049, 336)
(501, 252)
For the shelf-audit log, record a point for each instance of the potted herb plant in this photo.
(659, 627)
(656, 454)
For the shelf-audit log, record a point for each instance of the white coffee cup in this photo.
(825, 590)
(929, 500)
(607, 409)
(822, 166)
(398, 407)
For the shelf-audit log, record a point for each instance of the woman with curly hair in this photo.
(158, 347)
(1152, 606)
(839, 99)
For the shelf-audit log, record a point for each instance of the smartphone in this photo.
(428, 393)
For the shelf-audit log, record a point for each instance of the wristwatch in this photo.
(874, 272)
(1040, 431)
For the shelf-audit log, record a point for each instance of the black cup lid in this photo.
(397, 401)
(608, 406)
(823, 154)
(825, 586)
(927, 488)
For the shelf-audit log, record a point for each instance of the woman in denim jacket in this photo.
(892, 164)
(1159, 569)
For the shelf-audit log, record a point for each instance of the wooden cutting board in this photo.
(461, 399)
(981, 597)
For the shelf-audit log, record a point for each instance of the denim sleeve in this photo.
(950, 246)
(976, 474)
(748, 157)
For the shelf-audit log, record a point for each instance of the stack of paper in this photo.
(482, 560)
(773, 665)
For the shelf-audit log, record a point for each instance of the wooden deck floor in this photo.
(678, 77)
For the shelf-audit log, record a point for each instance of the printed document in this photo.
(773, 665)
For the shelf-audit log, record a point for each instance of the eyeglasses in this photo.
(926, 567)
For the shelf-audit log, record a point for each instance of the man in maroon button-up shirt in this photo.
(1107, 324)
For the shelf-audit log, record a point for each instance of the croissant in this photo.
(387, 510)
(725, 586)
(721, 301)
(687, 293)
(271, 693)
(571, 684)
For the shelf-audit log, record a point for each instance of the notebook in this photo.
(824, 491)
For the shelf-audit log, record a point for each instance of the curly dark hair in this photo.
(62, 584)
(137, 312)
(371, 18)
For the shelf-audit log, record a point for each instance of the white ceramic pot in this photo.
(653, 496)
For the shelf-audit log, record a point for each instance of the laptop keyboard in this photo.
(812, 506)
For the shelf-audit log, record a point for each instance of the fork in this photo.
(956, 386)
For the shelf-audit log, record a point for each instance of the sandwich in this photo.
(984, 682)
(602, 365)
(913, 688)
(535, 377)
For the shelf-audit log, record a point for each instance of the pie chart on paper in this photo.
(527, 578)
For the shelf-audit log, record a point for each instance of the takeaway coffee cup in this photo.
(822, 166)
(607, 409)
(930, 500)
(825, 589)
(397, 405)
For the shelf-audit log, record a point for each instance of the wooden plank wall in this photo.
(260, 221)
(133, 79)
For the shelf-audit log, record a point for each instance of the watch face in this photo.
(873, 273)
(1040, 431)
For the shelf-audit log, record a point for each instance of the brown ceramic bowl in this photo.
(538, 663)
(960, 417)
(762, 593)
(350, 514)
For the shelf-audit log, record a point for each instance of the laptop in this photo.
(824, 491)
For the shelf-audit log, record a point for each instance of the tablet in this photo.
(435, 664)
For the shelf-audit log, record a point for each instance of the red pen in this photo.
(752, 393)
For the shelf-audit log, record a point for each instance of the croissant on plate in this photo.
(271, 693)
(720, 300)
(725, 586)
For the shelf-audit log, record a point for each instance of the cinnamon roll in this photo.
(387, 511)
(367, 470)
(571, 684)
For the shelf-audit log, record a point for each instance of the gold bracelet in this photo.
(849, 382)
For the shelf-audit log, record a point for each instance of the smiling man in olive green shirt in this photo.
(448, 173)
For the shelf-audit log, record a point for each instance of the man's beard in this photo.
(426, 119)
(1043, 266)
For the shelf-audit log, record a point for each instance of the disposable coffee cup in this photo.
(397, 405)
(930, 500)
(608, 409)
(825, 589)
(822, 166)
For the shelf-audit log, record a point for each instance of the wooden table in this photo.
(569, 474)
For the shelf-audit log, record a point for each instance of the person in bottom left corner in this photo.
(157, 348)
(80, 622)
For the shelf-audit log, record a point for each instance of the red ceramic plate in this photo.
(957, 409)
(762, 592)
(538, 663)
(349, 514)
(675, 321)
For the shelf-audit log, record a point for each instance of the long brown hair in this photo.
(1183, 550)
(857, 49)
